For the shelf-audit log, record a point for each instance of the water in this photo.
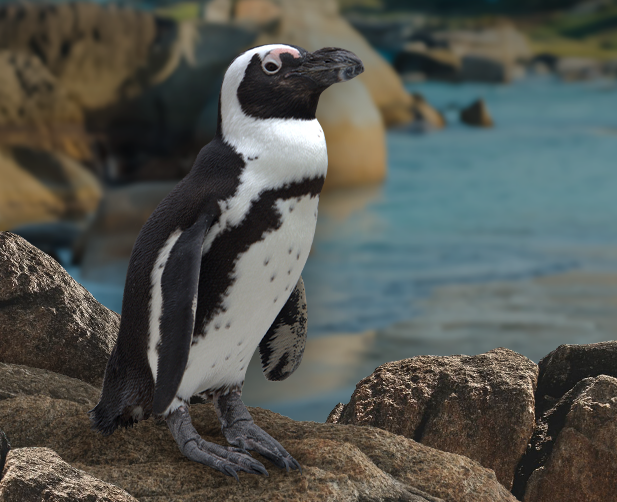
(532, 197)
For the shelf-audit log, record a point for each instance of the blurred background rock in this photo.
(470, 194)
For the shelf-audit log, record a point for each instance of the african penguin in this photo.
(215, 271)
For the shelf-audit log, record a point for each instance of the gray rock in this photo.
(37, 474)
(572, 455)
(481, 406)
(47, 320)
(5, 447)
(339, 462)
(16, 380)
(476, 114)
(567, 365)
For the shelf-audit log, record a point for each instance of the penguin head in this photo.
(282, 81)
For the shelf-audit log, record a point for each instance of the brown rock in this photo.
(94, 51)
(34, 474)
(567, 365)
(339, 463)
(476, 114)
(438, 63)
(426, 114)
(47, 320)
(18, 380)
(36, 110)
(572, 455)
(481, 406)
(40, 186)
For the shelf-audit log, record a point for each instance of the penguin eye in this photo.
(271, 66)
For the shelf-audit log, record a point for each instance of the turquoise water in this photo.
(537, 194)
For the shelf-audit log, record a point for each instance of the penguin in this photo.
(216, 270)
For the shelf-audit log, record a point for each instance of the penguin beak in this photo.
(328, 66)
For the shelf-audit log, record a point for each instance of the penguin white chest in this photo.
(263, 278)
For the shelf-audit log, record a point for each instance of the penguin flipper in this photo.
(282, 347)
(179, 285)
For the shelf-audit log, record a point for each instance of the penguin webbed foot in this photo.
(227, 460)
(240, 430)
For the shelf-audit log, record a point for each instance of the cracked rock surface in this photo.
(478, 406)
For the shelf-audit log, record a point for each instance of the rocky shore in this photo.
(491, 427)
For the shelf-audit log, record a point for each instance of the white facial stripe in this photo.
(156, 300)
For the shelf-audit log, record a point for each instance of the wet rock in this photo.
(481, 406)
(36, 110)
(105, 248)
(47, 320)
(567, 365)
(340, 463)
(16, 380)
(572, 454)
(438, 63)
(39, 186)
(425, 115)
(482, 69)
(577, 68)
(476, 114)
(40, 474)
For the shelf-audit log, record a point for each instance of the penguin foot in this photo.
(227, 460)
(240, 430)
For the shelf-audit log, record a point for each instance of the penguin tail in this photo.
(126, 398)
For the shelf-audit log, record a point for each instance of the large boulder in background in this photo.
(572, 455)
(476, 114)
(94, 51)
(36, 110)
(41, 186)
(339, 463)
(33, 474)
(47, 320)
(105, 247)
(481, 406)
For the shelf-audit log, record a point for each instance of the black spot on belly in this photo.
(213, 365)
(290, 250)
(298, 256)
(228, 325)
(266, 261)
(217, 272)
(273, 277)
(217, 326)
(240, 343)
(227, 358)
(276, 299)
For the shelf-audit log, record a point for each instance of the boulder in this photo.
(5, 447)
(434, 63)
(481, 406)
(578, 68)
(339, 462)
(94, 51)
(17, 380)
(482, 69)
(425, 114)
(567, 365)
(572, 455)
(36, 110)
(105, 247)
(34, 474)
(47, 320)
(476, 114)
(40, 186)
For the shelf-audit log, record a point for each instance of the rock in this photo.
(36, 110)
(339, 463)
(5, 447)
(426, 115)
(34, 474)
(94, 51)
(572, 454)
(567, 365)
(438, 63)
(481, 406)
(40, 186)
(16, 380)
(483, 69)
(105, 248)
(577, 68)
(476, 114)
(262, 13)
(48, 320)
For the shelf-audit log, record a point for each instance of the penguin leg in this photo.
(227, 460)
(240, 430)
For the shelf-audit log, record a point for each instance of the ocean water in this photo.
(532, 197)
(536, 194)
